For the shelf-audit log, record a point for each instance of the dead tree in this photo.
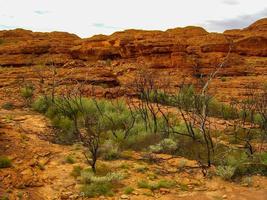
(49, 79)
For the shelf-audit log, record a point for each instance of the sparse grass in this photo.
(77, 146)
(166, 184)
(69, 159)
(20, 195)
(183, 187)
(223, 79)
(226, 172)
(5, 197)
(126, 155)
(76, 171)
(97, 189)
(128, 190)
(111, 155)
(2, 41)
(9, 118)
(88, 177)
(124, 166)
(40, 166)
(152, 176)
(8, 106)
(102, 169)
(9, 190)
(143, 184)
(156, 186)
(27, 91)
(95, 186)
(247, 181)
(142, 169)
(5, 162)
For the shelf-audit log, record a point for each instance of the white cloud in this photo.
(89, 17)
(230, 2)
(241, 21)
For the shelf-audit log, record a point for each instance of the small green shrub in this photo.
(128, 190)
(69, 159)
(88, 177)
(157, 185)
(99, 185)
(125, 166)
(5, 162)
(20, 195)
(5, 197)
(182, 163)
(41, 104)
(226, 172)
(143, 184)
(152, 176)
(2, 41)
(64, 131)
(183, 187)
(27, 92)
(223, 79)
(247, 181)
(40, 166)
(167, 145)
(8, 106)
(76, 171)
(110, 151)
(97, 189)
(166, 184)
(263, 158)
(142, 169)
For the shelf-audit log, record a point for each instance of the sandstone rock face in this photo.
(180, 54)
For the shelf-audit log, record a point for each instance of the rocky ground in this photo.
(40, 171)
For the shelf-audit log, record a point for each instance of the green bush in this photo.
(263, 158)
(226, 172)
(2, 41)
(76, 171)
(166, 184)
(27, 91)
(97, 189)
(5, 197)
(110, 150)
(5, 162)
(41, 104)
(142, 169)
(99, 185)
(8, 106)
(167, 145)
(251, 169)
(223, 79)
(143, 184)
(156, 186)
(88, 177)
(128, 190)
(69, 159)
(64, 130)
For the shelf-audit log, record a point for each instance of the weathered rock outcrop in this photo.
(176, 54)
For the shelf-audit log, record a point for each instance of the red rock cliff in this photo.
(176, 54)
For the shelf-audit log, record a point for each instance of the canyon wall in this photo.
(174, 56)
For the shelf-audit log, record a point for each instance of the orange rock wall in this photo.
(174, 55)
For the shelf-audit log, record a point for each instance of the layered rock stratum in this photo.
(174, 56)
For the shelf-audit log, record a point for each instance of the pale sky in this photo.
(89, 17)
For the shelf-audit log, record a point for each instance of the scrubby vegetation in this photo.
(5, 162)
(156, 185)
(8, 106)
(27, 93)
(109, 128)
